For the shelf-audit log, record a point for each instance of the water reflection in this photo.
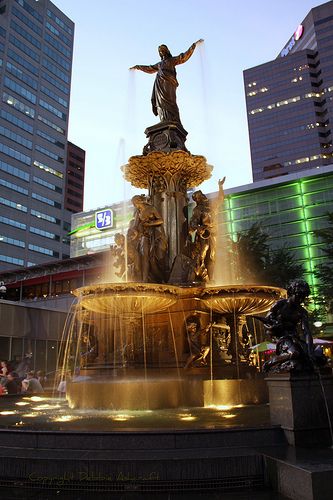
(54, 414)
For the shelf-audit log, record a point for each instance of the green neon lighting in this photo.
(82, 228)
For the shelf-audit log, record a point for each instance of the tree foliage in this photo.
(256, 262)
(324, 271)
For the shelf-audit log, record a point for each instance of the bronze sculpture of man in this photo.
(164, 91)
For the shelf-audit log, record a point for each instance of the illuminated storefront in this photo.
(94, 231)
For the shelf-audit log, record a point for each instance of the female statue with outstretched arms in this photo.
(163, 98)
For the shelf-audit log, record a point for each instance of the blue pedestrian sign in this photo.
(104, 219)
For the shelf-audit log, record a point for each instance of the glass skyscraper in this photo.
(36, 50)
(290, 101)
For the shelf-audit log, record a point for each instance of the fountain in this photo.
(162, 397)
(144, 354)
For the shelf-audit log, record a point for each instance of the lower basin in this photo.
(50, 413)
(164, 393)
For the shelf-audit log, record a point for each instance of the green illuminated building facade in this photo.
(289, 209)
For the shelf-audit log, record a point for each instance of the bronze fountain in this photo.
(154, 339)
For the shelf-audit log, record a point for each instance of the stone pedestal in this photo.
(165, 136)
(300, 403)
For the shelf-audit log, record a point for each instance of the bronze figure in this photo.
(197, 340)
(202, 234)
(118, 252)
(148, 241)
(163, 97)
(287, 321)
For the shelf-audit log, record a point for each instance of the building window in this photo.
(56, 58)
(11, 260)
(12, 222)
(46, 152)
(51, 124)
(14, 187)
(16, 121)
(12, 204)
(14, 70)
(59, 22)
(23, 47)
(47, 217)
(43, 199)
(15, 154)
(19, 105)
(55, 82)
(54, 96)
(6, 132)
(18, 89)
(52, 109)
(26, 64)
(30, 9)
(57, 45)
(48, 169)
(21, 31)
(56, 32)
(45, 251)
(51, 139)
(16, 172)
(12, 241)
(46, 184)
(45, 234)
(27, 21)
(55, 70)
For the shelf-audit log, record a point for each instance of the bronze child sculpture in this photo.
(287, 321)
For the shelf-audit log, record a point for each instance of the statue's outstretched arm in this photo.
(147, 69)
(184, 56)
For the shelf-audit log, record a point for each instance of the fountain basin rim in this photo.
(200, 290)
(129, 288)
(216, 289)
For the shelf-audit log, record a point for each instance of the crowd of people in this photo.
(21, 380)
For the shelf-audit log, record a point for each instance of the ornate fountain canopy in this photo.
(127, 298)
(242, 299)
(193, 168)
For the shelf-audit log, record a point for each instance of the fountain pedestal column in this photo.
(300, 403)
(168, 174)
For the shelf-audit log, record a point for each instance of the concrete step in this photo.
(300, 473)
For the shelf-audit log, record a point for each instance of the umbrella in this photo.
(264, 346)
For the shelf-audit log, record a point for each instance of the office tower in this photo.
(290, 101)
(74, 188)
(36, 50)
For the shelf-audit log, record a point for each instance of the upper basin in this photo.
(242, 299)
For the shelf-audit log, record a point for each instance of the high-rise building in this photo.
(74, 188)
(36, 50)
(290, 101)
